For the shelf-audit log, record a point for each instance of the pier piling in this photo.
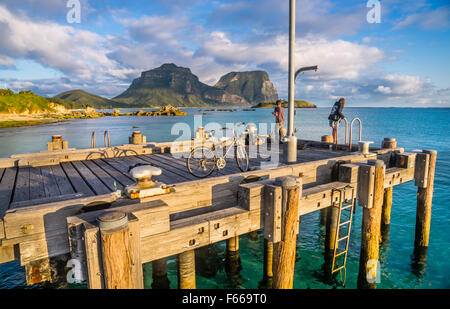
(387, 143)
(186, 270)
(116, 251)
(372, 202)
(284, 250)
(159, 274)
(425, 168)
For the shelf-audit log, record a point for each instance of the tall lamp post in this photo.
(291, 139)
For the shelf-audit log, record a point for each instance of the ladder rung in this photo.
(338, 269)
(346, 207)
(344, 223)
(340, 239)
(340, 253)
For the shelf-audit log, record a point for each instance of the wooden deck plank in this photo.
(76, 180)
(6, 189)
(22, 189)
(118, 166)
(50, 186)
(104, 176)
(36, 184)
(178, 165)
(64, 185)
(157, 161)
(94, 182)
(123, 179)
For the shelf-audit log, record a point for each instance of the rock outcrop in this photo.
(253, 86)
(177, 86)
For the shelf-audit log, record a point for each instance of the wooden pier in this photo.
(67, 205)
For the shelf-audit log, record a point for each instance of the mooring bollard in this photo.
(326, 139)
(57, 143)
(285, 250)
(116, 250)
(186, 270)
(370, 196)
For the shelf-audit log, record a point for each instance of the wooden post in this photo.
(386, 214)
(330, 240)
(388, 143)
(371, 221)
(424, 200)
(253, 236)
(327, 139)
(186, 270)
(268, 258)
(159, 274)
(233, 262)
(233, 244)
(116, 251)
(284, 251)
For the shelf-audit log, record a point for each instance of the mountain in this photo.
(26, 102)
(177, 86)
(82, 99)
(254, 86)
(297, 104)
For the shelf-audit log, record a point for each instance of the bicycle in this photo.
(203, 160)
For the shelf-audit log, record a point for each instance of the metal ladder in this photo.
(345, 201)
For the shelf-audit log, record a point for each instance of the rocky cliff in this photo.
(177, 86)
(254, 86)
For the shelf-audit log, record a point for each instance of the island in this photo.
(284, 103)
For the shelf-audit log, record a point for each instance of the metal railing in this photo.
(346, 130)
(351, 132)
(93, 140)
(107, 140)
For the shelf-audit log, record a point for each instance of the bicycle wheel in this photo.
(241, 157)
(201, 162)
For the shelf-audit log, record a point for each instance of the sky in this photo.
(401, 61)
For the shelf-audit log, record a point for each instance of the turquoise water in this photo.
(413, 129)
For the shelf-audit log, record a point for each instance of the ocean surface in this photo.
(412, 128)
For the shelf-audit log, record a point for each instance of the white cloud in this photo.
(335, 58)
(430, 20)
(384, 90)
(78, 53)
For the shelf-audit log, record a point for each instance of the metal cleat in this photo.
(145, 186)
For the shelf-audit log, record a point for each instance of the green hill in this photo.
(82, 99)
(297, 104)
(27, 102)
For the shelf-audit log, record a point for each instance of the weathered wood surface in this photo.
(285, 249)
(424, 201)
(370, 230)
(117, 256)
(41, 231)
